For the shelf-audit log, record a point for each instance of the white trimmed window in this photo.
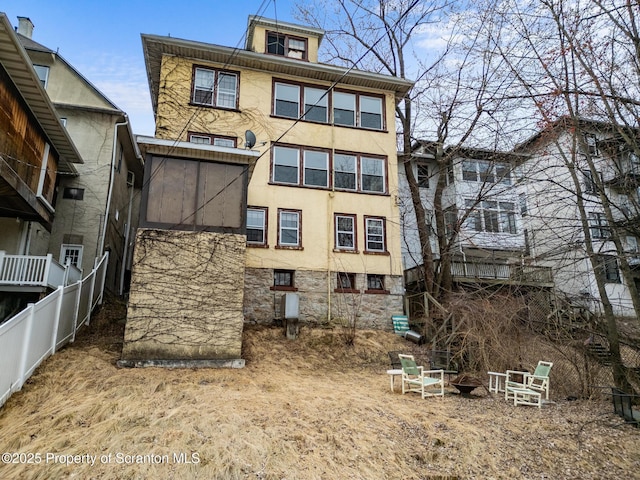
(257, 226)
(375, 235)
(286, 165)
(344, 171)
(316, 105)
(372, 174)
(316, 168)
(371, 112)
(345, 232)
(491, 216)
(287, 100)
(215, 88)
(289, 228)
(71, 254)
(344, 109)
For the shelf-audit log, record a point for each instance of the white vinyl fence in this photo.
(42, 328)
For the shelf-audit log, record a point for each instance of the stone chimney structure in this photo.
(25, 27)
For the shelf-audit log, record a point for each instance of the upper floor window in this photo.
(590, 184)
(371, 112)
(358, 110)
(313, 106)
(345, 226)
(375, 239)
(491, 216)
(289, 234)
(372, 174)
(257, 226)
(598, 225)
(293, 165)
(286, 45)
(43, 74)
(608, 267)
(422, 175)
(287, 169)
(486, 172)
(210, 139)
(215, 88)
(591, 142)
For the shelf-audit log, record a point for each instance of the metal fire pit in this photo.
(465, 384)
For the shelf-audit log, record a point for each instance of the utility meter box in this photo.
(290, 306)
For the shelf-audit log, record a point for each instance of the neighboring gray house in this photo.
(97, 209)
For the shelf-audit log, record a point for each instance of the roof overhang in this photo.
(18, 65)
(155, 47)
(196, 151)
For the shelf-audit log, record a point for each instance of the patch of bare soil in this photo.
(312, 408)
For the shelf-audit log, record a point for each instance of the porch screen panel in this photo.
(220, 200)
(172, 191)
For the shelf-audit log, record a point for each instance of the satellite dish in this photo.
(250, 139)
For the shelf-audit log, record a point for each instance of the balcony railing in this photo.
(35, 271)
(494, 273)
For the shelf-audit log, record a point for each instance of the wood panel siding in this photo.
(22, 147)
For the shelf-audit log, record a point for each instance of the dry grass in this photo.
(306, 409)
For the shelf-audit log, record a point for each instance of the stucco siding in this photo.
(186, 296)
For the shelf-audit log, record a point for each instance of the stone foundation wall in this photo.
(316, 296)
(186, 296)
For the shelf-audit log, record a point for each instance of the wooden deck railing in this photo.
(495, 272)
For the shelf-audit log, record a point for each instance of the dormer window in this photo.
(286, 46)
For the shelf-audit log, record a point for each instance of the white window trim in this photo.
(296, 228)
(68, 247)
(367, 235)
(263, 211)
(351, 232)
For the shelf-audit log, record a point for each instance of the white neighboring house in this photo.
(481, 200)
(96, 210)
(556, 235)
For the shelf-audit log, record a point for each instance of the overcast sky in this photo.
(102, 39)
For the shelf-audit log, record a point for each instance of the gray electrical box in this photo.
(289, 306)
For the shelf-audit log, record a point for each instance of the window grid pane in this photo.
(287, 102)
(375, 235)
(345, 232)
(289, 229)
(316, 169)
(372, 175)
(285, 165)
(345, 172)
(226, 90)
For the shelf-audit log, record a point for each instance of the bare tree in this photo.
(555, 52)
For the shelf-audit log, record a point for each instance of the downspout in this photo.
(113, 162)
(125, 253)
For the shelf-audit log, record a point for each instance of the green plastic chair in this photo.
(428, 383)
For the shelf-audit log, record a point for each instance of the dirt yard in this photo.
(313, 408)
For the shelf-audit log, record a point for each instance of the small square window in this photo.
(283, 278)
(73, 193)
(375, 282)
(346, 282)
